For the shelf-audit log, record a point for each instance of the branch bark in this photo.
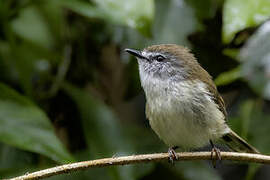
(145, 158)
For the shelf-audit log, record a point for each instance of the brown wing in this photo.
(196, 72)
(218, 99)
(213, 92)
(207, 79)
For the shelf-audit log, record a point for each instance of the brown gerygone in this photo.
(183, 105)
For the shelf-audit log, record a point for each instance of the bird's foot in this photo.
(217, 153)
(172, 154)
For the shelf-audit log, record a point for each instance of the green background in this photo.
(68, 91)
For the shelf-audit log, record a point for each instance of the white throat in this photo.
(182, 113)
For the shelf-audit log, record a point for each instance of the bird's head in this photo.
(165, 61)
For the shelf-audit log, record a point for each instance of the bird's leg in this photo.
(172, 154)
(217, 154)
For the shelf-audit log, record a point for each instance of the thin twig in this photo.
(62, 70)
(185, 156)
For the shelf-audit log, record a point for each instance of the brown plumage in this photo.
(197, 72)
(194, 88)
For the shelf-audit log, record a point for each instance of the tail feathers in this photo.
(236, 143)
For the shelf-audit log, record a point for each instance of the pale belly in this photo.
(189, 122)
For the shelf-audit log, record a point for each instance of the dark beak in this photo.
(136, 53)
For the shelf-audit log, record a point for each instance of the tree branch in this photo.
(185, 156)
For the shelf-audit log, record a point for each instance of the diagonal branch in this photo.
(185, 156)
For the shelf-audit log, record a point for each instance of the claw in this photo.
(217, 154)
(172, 155)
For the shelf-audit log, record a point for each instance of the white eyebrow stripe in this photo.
(148, 54)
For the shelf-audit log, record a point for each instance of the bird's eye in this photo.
(159, 58)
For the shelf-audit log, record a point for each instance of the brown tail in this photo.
(236, 143)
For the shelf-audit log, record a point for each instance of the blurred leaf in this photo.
(24, 125)
(246, 111)
(240, 14)
(174, 21)
(232, 53)
(135, 14)
(14, 161)
(54, 15)
(259, 128)
(7, 67)
(255, 57)
(25, 64)
(84, 8)
(241, 123)
(190, 171)
(252, 124)
(205, 9)
(101, 127)
(252, 170)
(104, 134)
(246, 124)
(13, 158)
(31, 25)
(134, 171)
(228, 77)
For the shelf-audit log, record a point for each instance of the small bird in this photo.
(183, 105)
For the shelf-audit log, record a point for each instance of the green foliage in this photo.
(205, 9)
(99, 123)
(256, 61)
(65, 79)
(103, 124)
(134, 14)
(240, 14)
(206, 171)
(29, 18)
(24, 125)
(170, 18)
(228, 77)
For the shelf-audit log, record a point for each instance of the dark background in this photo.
(68, 91)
